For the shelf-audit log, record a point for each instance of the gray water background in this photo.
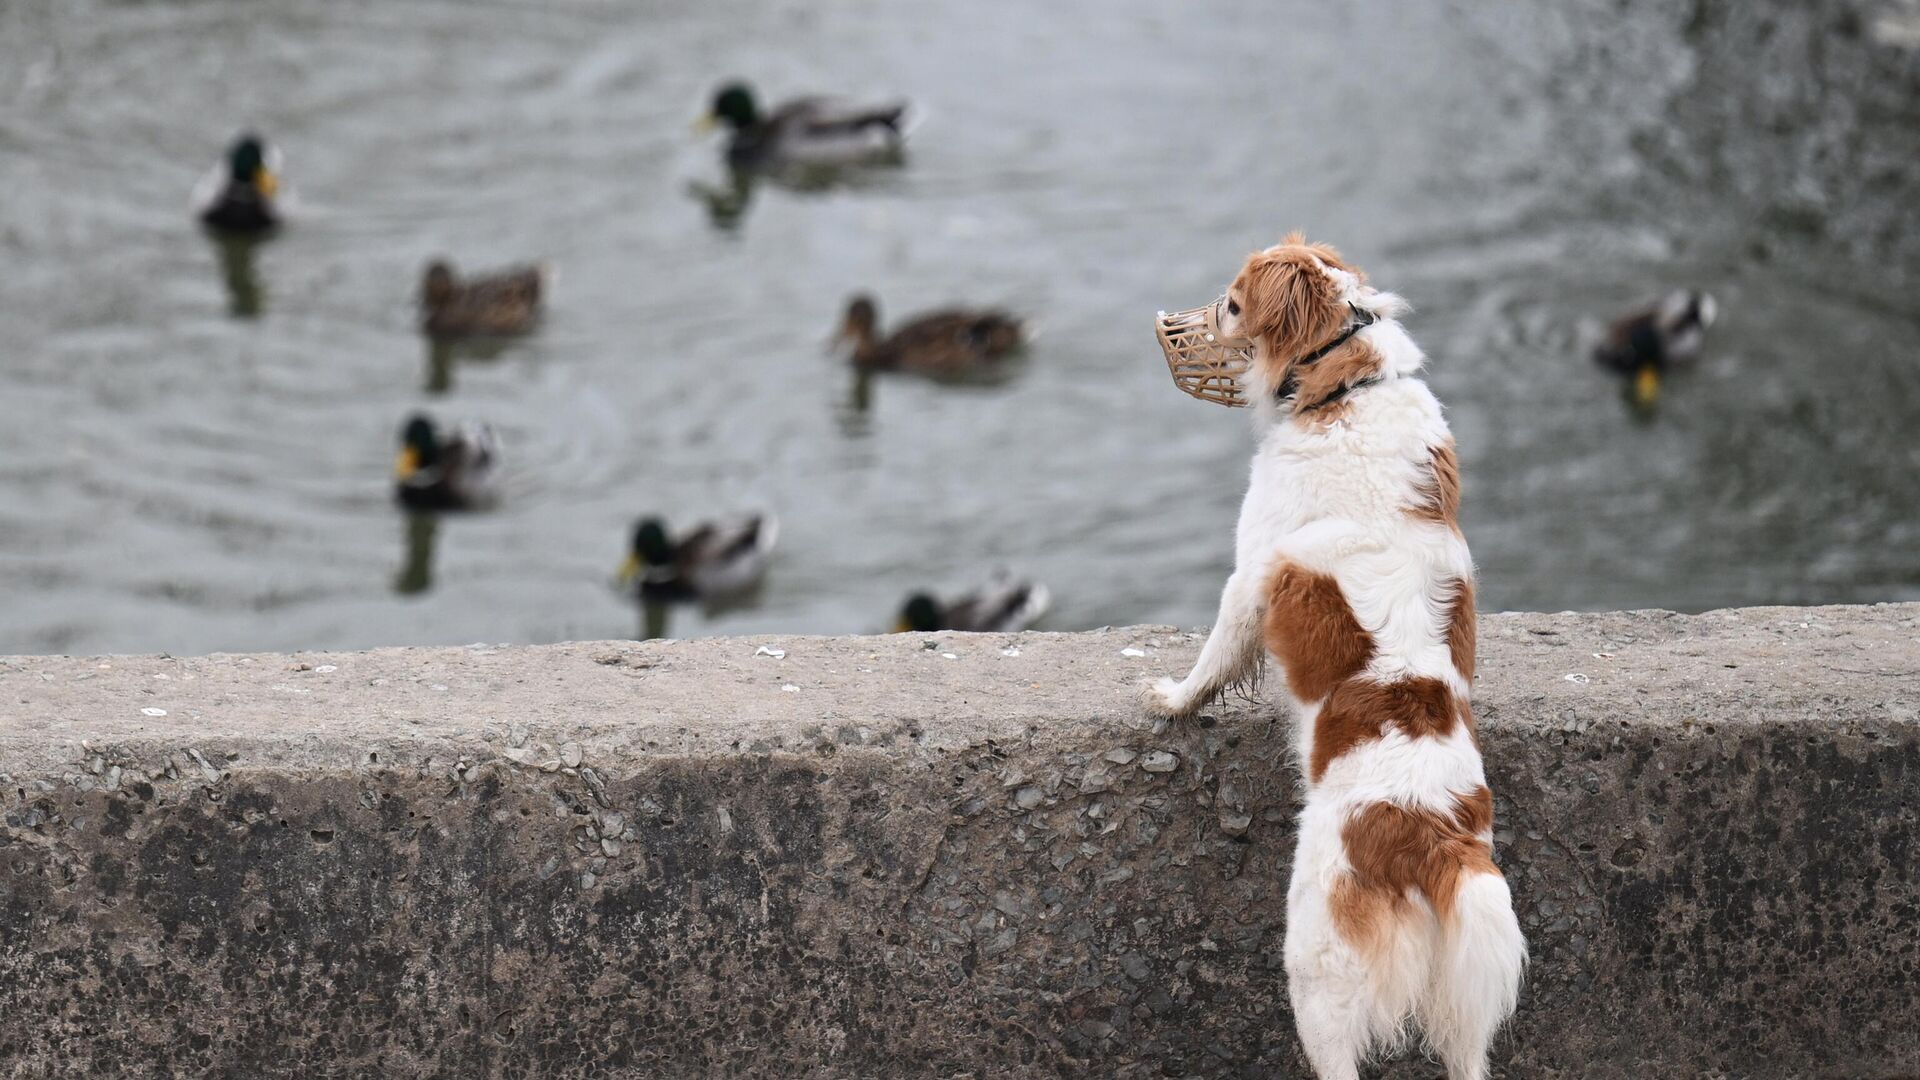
(175, 478)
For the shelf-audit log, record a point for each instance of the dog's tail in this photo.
(1477, 966)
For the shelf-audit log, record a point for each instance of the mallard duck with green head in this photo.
(1002, 606)
(240, 195)
(951, 343)
(498, 304)
(714, 560)
(1645, 343)
(438, 470)
(807, 131)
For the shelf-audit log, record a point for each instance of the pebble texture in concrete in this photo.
(943, 855)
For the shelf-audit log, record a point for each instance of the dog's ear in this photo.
(1326, 253)
(1287, 300)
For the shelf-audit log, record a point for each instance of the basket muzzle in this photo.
(1205, 362)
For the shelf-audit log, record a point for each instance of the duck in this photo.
(240, 196)
(815, 131)
(498, 304)
(452, 471)
(714, 560)
(1644, 342)
(943, 344)
(1002, 606)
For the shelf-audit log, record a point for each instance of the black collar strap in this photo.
(1362, 318)
(1349, 388)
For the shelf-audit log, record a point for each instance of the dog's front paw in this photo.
(1167, 697)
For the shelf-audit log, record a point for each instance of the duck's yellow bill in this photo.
(1646, 386)
(630, 570)
(266, 183)
(406, 464)
(902, 626)
(706, 123)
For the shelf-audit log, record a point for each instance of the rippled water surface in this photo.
(175, 477)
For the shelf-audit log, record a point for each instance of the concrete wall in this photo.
(922, 856)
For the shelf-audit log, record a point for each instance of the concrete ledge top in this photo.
(941, 691)
(924, 856)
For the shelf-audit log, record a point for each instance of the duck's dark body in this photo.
(806, 131)
(450, 483)
(713, 561)
(451, 473)
(992, 612)
(238, 196)
(1657, 336)
(816, 131)
(242, 210)
(499, 304)
(1001, 607)
(942, 344)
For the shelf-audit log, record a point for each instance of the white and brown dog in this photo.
(1349, 567)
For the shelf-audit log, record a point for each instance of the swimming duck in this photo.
(499, 304)
(940, 343)
(715, 560)
(455, 472)
(1643, 343)
(239, 194)
(1003, 606)
(804, 131)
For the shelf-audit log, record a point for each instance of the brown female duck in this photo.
(942, 344)
(498, 304)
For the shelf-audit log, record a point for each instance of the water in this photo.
(174, 477)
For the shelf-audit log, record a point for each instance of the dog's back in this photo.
(1351, 570)
(1397, 910)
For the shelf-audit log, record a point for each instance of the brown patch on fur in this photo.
(1361, 914)
(1340, 726)
(1440, 489)
(1395, 850)
(1473, 728)
(1312, 631)
(1474, 810)
(1325, 377)
(1462, 627)
(1357, 712)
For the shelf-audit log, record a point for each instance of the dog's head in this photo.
(1293, 300)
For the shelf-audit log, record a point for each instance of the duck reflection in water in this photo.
(727, 201)
(246, 299)
(856, 409)
(445, 355)
(416, 574)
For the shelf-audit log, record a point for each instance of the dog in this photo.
(1351, 570)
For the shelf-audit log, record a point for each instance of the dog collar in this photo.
(1362, 318)
(1371, 380)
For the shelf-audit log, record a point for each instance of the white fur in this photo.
(1333, 498)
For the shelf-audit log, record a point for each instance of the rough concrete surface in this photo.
(945, 855)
